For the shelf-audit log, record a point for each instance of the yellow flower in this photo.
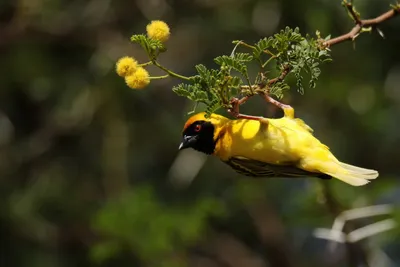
(158, 30)
(126, 66)
(139, 79)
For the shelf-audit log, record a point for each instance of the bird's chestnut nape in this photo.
(200, 136)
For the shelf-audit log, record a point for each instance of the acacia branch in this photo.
(264, 86)
(281, 77)
(361, 24)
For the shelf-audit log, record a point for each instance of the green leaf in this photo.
(205, 75)
(299, 80)
(151, 46)
(243, 57)
(212, 107)
(233, 63)
(235, 82)
(262, 45)
(215, 87)
(142, 40)
(192, 92)
(278, 88)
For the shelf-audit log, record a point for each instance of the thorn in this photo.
(194, 108)
(355, 36)
(380, 33)
(234, 49)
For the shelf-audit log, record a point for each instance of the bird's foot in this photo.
(288, 111)
(234, 111)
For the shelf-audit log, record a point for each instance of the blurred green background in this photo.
(90, 174)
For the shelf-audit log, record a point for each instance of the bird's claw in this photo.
(287, 109)
(234, 111)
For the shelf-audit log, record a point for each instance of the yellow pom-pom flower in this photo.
(126, 66)
(158, 30)
(139, 79)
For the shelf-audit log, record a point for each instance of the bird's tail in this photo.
(352, 175)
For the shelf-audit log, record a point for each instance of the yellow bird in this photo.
(264, 147)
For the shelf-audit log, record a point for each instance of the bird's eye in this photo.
(197, 128)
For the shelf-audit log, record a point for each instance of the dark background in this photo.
(90, 174)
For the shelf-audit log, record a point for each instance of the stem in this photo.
(246, 87)
(246, 45)
(271, 58)
(159, 77)
(350, 8)
(171, 73)
(145, 64)
(253, 47)
(266, 51)
(249, 83)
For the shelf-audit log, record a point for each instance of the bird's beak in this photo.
(187, 141)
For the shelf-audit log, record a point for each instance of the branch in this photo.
(261, 89)
(291, 51)
(281, 77)
(361, 24)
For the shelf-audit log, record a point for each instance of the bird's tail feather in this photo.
(370, 174)
(353, 175)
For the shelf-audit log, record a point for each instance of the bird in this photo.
(269, 147)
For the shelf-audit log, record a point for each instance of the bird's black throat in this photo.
(203, 138)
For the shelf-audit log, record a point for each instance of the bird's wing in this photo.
(255, 168)
(305, 126)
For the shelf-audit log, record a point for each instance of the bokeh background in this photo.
(90, 174)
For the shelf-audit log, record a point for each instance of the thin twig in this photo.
(281, 77)
(355, 15)
(171, 73)
(269, 60)
(159, 77)
(361, 24)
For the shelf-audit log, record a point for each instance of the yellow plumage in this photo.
(278, 147)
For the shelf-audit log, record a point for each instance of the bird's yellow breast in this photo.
(276, 141)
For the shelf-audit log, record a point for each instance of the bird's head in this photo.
(201, 133)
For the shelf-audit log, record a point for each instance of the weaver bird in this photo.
(263, 147)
